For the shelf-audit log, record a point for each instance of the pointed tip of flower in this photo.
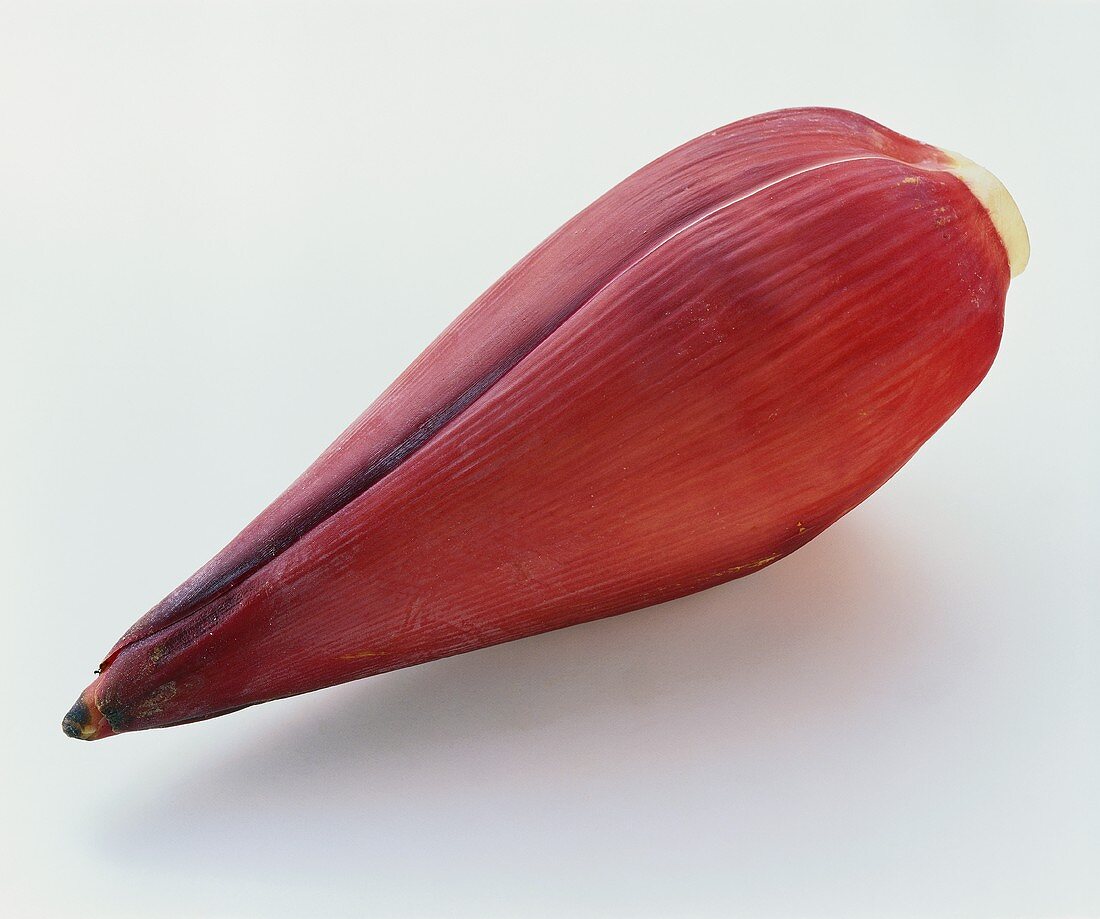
(85, 721)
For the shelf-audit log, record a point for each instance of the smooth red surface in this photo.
(701, 372)
(533, 299)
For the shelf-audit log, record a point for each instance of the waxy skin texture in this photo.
(689, 380)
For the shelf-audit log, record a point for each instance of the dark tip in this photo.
(78, 721)
(85, 721)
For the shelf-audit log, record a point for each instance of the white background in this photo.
(225, 227)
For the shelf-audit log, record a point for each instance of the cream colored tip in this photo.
(1003, 211)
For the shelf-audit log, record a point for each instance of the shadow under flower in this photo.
(557, 770)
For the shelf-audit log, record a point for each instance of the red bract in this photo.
(689, 380)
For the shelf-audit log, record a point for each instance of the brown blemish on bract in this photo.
(153, 703)
(757, 564)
